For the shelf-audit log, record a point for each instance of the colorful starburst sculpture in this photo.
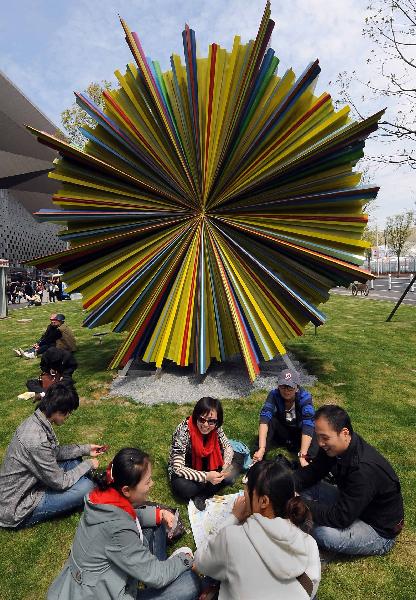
(213, 207)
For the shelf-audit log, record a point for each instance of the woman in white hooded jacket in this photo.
(261, 552)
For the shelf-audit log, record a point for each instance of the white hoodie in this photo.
(260, 560)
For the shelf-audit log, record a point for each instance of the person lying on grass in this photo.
(119, 542)
(39, 479)
(200, 456)
(287, 419)
(261, 552)
(362, 513)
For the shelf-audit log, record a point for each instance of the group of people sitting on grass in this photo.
(343, 497)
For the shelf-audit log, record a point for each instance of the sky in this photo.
(51, 48)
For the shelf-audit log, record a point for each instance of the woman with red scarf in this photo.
(119, 542)
(201, 455)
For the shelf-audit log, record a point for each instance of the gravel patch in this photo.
(180, 385)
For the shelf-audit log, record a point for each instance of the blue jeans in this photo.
(359, 538)
(56, 503)
(185, 587)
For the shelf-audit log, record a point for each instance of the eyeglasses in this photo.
(204, 421)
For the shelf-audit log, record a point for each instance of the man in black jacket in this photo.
(363, 513)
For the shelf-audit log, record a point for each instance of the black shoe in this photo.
(200, 502)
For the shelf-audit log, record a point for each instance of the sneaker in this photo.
(200, 502)
(29, 355)
(17, 351)
(26, 396)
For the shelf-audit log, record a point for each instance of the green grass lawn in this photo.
(366, 365)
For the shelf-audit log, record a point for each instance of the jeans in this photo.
(359, 538)
(185, 587)
(56, 503)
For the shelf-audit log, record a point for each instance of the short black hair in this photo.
(59, 398)
(336, 416)
(204, 406)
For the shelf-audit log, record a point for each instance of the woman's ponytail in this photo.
(298, 513)
(104, 479)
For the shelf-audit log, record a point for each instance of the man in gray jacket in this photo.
(38, 478)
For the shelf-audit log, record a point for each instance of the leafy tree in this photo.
(397, 233)
(74, 117)
(369, 235)
(391, 27)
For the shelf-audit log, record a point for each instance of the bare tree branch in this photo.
(391, 27)
(399, 52)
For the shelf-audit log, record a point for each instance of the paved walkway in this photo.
(24, 304)
(381, 291)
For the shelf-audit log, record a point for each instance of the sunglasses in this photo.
(204, 421)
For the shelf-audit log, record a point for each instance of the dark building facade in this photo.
(24, 183)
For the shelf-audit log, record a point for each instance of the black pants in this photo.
(187, 489)
(279, 434)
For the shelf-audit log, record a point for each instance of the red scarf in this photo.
(112, 496)
(211, 449)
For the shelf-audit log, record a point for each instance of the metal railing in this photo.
(384, 266)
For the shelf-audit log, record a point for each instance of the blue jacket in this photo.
(305, 412)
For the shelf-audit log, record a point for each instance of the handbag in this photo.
(48, 379)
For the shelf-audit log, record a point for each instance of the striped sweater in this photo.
(180, 456)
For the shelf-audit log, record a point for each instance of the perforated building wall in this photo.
(21, 236)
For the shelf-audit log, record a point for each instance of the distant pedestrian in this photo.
(59, 289)
(28, 289)
(19, 293)
(51, 291)
(40, 290)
